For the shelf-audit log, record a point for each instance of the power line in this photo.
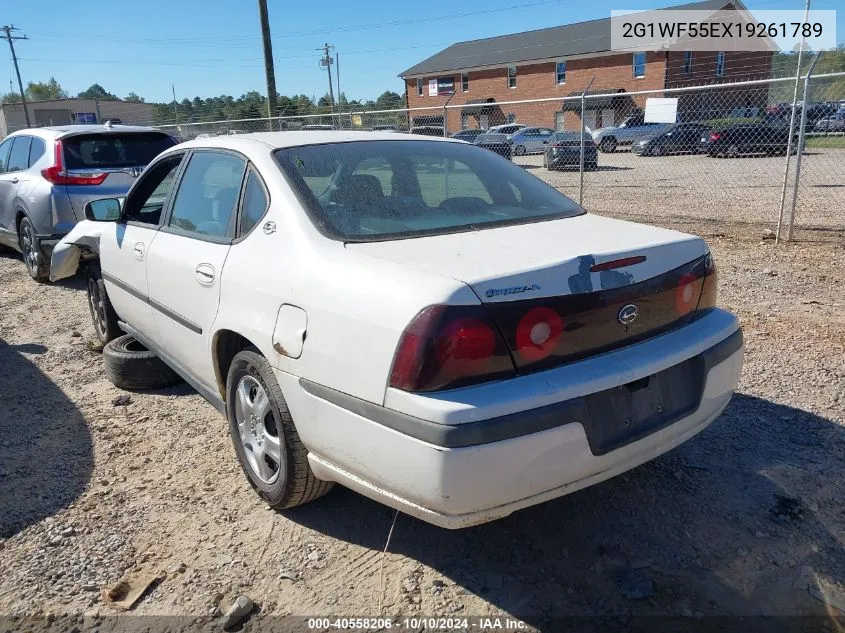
(11, 39)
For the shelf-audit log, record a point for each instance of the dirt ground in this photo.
(746, 519)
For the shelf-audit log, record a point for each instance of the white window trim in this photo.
(634, 64)
(508, 78)
(464, 83)
(557, 82)
(720, 55)
(687, 70)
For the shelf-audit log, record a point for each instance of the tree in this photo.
(389, 100)
(133, 98)
(42, 91)
(96, 91)
(11, 97)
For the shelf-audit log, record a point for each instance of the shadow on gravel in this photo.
(748, 500)
(46, 455)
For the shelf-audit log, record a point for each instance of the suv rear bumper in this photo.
(490, 464)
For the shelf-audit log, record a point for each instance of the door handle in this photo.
(139, 250)
(15, 180)
(205, 274)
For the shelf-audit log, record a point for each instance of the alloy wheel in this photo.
(258, 430)
(98, 308)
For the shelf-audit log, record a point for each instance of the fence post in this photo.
(581, 158)
(445, 114)
(800, 146)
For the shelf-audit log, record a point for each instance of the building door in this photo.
(485, 122)
(590, 119)
(607, 117)
(560, 121)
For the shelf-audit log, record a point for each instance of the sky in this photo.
(210, 47)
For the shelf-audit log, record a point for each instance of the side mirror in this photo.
(103, 210)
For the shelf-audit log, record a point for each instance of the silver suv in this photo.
(48, 174)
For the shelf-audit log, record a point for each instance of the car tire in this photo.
(103, 316)
(732, 152)
(130, 365)
(519, 150)
(657, 150)
(266, 442)
(33, 258)
(591, 166)
(608, 145)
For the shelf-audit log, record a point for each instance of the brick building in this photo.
(557, 62)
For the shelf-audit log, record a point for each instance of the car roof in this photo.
(59, 131)
(296, 138)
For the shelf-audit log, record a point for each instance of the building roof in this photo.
(580, 38)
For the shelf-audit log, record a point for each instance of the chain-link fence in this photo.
(720, 153)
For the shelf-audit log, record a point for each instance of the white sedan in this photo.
(417, 319)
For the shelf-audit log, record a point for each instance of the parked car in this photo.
(747, 138)
(48, 174)
(312, 127)
(385, 128)
(564, 149)
(457, 347)
(531, 140)
(833, 123)
(633, 129)
(495, 142)
(682, 138)
(427, 130)
(508, 129)
(468, 135)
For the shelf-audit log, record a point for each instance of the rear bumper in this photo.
(464, 457)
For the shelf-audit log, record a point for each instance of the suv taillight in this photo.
(449, 346)
(714, 136)
(58, 176)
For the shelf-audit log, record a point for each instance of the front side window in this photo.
(147, 199)
(511, 76)
(560, 73)
(208, 194)
(720, 64)
(639, 64)
(380, 190)
(464, 82)
(19, 156)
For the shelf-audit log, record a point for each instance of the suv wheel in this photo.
(130, 365)
(266, 442)
(657, 150)
(102, 313)
(608, 145)
(732, 152)
(36, 266)
(519, 150)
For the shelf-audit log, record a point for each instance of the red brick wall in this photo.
(538, 81)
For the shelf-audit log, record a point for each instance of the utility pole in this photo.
(327, 62)
(270, 73)
(175, 105)
(337, 75)
(11, 39)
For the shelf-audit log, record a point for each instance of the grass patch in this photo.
(825, 142)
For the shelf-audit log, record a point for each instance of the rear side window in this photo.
(208, 193)
(36, 150)
(254, 204)
(122, 149)
(19, 157)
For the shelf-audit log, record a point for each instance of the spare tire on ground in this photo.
(130, 365)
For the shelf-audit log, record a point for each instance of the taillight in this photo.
(697, 288)
(58, 176)
(538, 334)
(714, 136)
(711, 279)
(449, 346)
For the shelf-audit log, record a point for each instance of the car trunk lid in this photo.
(571, 281)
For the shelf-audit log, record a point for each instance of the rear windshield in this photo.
(381, 190)
(113, 150)
(571, 138)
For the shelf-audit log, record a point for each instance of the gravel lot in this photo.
(739, 190)
(745, 519)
